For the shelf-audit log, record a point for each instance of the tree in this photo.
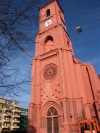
(17, 32)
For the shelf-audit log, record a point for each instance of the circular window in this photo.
(50, 72)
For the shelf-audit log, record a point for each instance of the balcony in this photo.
(6, 120)
(15, 115)
(6, 109)
(7, 114)
(16, 110)
(6, 126)
(16, 105)
(15, 127)
(15, 121)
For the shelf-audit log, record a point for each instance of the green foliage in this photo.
(23, 122)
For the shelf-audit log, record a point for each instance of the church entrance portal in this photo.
(52, 121)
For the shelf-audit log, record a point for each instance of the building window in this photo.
(52, 111)
(0, 111)
(68, 112)
(49, 43)
(68, 44)
(0, 117)
(59, 12)
(48, 12)
(67, 106)
(15, 124)
(75, 116)
(74, 106)
(5, 124)
(6, 102)
(49, 38)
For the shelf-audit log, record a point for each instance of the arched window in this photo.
(52, 120)
(52, 111)
(49, 43)
(48, 12)
(48, 38)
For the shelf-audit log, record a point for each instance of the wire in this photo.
(79, 14)
(78, 25)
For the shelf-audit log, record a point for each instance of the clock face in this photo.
(48, 22)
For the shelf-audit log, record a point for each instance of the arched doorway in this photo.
(52, 121)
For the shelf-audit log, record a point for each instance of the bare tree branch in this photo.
(17, 33)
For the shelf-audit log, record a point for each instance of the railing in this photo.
(15, 115)
(7, 114)
(15, 110)
(6, 126)
(6, 120)
(15, 126)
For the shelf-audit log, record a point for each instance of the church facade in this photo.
(64, 90)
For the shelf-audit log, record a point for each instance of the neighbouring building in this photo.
(64, 90)
(11, 115)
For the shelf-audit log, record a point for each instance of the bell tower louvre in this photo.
(64, 90)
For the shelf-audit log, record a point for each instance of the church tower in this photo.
(56, 92)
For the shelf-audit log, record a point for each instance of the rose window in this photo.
(50, 72)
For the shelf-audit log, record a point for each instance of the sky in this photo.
(84, 13)
(86, 45)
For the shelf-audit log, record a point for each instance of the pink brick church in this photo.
(64, 90)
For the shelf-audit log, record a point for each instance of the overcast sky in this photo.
(86, 45)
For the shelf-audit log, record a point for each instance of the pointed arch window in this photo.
(52, 111)
(52, 120)
(48, 12)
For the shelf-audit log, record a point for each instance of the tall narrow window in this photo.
(48, 12)
(0, 111)
(49, 43)
(52, 121)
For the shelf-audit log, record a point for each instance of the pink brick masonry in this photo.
(64, 90)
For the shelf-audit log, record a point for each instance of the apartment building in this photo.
(24, 111)
(9, 115)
